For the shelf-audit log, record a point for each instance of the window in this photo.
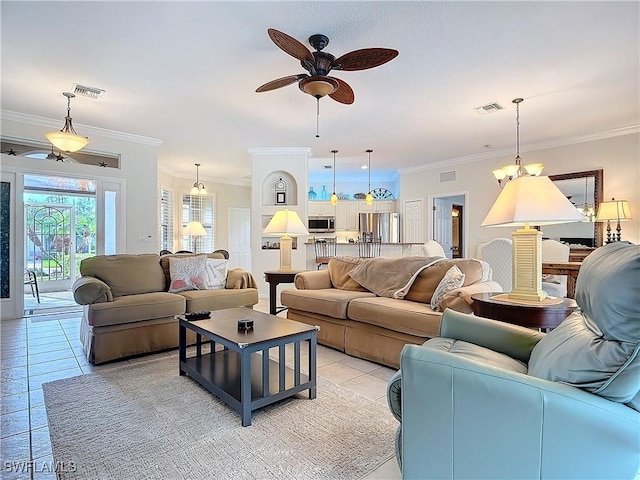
(165, 214)
(198, 208)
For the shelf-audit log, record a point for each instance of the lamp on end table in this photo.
(286, 224)
(614, 210)
(195, 229)
(524, 201)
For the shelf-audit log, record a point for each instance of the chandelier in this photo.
(515, 170)
(67, 140)
(587, 210)
(198, 187)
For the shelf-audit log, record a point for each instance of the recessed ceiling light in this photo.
(364, 167)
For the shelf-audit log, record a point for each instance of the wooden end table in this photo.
(275, 277)
(531, 316)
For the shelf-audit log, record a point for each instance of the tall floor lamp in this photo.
(195, 229)
(528, 201)
(286, 224)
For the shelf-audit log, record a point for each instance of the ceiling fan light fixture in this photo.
(318, 86)
(67, 140)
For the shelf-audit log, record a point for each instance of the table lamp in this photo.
(195, 229)
(524, 201)
(285, 223)
(614, 210)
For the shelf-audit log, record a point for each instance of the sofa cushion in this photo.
(187, 273)
(339, 268)
(165, 259)
(199, 300)
(453, 279)
(135, 308)
(216, 273)
(126, 274)
(411, 318)
(331, 302)
(424, 285)
(598, 348)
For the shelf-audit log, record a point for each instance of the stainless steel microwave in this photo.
(322, 224)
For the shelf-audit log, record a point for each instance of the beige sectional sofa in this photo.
(128, 309)
(359, 322)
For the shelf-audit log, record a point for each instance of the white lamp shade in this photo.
(67, 142)
(531, 200)
(194, 228)
(285, 223)
(614, 210)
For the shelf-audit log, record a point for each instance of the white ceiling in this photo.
(186, 73)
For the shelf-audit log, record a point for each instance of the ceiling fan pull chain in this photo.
(318, 117)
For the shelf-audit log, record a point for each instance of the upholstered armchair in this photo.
(492, 400)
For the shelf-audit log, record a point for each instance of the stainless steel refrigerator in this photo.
(384, 225)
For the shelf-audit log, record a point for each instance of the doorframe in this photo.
(465, 216)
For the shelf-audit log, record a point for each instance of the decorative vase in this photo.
(311, 195)
(323, 194)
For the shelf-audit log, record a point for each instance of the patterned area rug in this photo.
(144, 421)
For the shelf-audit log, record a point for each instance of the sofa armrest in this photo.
(239, 278)
(313, 280)
(460, 298)
(512, 340)
(88, 290)
(460, 414)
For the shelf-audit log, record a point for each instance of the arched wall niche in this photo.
(279, 188)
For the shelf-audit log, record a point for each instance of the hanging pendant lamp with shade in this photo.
(67, 140)
(198, 187)
(587, 210)
(369, 198)
(334, 196)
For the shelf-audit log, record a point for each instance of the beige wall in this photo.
(618, 156)
(226, 196)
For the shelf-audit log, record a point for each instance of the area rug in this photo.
(144, 421)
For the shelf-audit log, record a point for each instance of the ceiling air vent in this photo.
(84, 91)
(328, 167)
(489, 108)
(448, 176)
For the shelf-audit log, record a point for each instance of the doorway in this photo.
(60, 231)
(448, 223)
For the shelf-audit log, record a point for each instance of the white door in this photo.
(240, 238)
(442, 224)
(413, 222)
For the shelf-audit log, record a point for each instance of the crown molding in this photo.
(241, 182)
(86, 129)
(615, 132)
(307, 151)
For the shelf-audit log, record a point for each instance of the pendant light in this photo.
(67, 140)
(515, 170)
(587, 209)
(369, 198)
(334, 197)
(198, 188)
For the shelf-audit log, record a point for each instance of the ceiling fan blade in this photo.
(280, 82)
(364, 59)
(344, 93)
(290, 45)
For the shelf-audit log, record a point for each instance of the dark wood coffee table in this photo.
(242, 374)
(530, 315)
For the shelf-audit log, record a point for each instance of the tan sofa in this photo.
(361, 323)
(129, 311)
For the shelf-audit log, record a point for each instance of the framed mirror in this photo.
(585, 191)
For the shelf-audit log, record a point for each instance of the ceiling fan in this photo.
(318, 83)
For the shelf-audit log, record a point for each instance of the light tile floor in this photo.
(41, 349)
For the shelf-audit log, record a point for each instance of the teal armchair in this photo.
(488, 399)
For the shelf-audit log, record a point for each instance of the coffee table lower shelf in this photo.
(220, 373)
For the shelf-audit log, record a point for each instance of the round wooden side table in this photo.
(530, 315)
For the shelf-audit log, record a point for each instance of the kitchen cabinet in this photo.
(347, 215)
(384, 206)
(320, 208)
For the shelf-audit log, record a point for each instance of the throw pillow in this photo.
(454, 278)
(216, 273)
(187, 273)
